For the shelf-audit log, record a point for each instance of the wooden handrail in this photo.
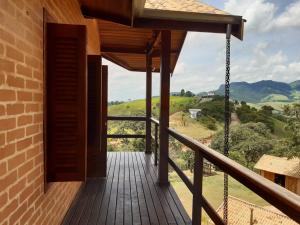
(126, 136)
(284, 200)
(155, 121)
(128, 118)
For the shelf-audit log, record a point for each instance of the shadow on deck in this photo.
(129, 195)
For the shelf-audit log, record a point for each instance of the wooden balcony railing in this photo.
(284, 200)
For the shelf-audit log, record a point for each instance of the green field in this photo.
(138, 107)
(213, 191)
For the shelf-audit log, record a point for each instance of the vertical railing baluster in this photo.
(197, 192)
(156, 144)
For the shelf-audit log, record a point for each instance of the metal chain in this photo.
(226, 124)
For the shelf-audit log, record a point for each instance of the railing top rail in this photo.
(154, 120)
(286, 201)
(129, 118)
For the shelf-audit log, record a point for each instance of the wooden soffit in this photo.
(127, 46)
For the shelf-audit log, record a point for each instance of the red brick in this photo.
(3, 198)
(7, 37)
(2, 78)
(33, 129)
(1, 49)
(8, 180)
(18, 213)
(38, 118)
(24, 219)
(32, 61)
(24, 120)
(24, 96)
(7, 124)
(39, 159)
(7, 66)
(2, 110)
(37, 97)
(15, 134)
(13, 81)
(15, 109)
(32, 84)
(24, 144)
(24, 70)
(9, 209)
(32, 107)
(32, 152)
(3, 168)
(26, 192)
(2, 139)
(7, 95)
(17, 188)
(14, 54)
(7, 150)
(24, 169)
(16, 161)
(33, 175)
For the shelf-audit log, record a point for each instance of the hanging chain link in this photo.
(226, 125)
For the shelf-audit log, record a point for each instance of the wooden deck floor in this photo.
(129, 195)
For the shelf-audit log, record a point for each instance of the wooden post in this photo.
(164, 107)
(197, 194)
(148, 101)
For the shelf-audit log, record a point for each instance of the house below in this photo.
(280, 170)
(242, 212)
(194, 113)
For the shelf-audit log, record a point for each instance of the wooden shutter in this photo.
(94, 156)
(66, 82)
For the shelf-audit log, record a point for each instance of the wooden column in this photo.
(164, 106)
(148, 101)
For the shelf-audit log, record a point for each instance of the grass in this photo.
(190, 127)
(213, 191)
(138, 107)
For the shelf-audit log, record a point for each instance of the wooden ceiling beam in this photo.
(116, 50)
(117, 61)
(154, 42)
(165, 24)
(100, 14)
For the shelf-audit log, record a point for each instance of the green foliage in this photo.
(208, 122)
(290, 145)
(248, 114)
(247, 143)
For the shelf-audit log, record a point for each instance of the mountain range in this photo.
(262, 91)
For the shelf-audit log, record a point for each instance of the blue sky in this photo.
(270, 51)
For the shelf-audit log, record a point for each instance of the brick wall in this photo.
(22, 198)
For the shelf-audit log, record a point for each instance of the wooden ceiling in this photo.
(119, 11)
(127, 46)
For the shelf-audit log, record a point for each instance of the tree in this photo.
(290, 146)
(189, 94)
(247, 143)
(182, 92)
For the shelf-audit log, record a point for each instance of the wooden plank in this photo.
(145, 217)
(165, 74)
(127, 193)
(111, 213)
(136, 215)
(105, 201)
(153, 213)
(144, 161)
(197, 189)
(96, 198)
(169, 199)
(120, 195)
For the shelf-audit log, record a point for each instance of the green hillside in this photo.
(138, 107)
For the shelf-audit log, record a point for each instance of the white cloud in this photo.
(290, 17)
(261, 14)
